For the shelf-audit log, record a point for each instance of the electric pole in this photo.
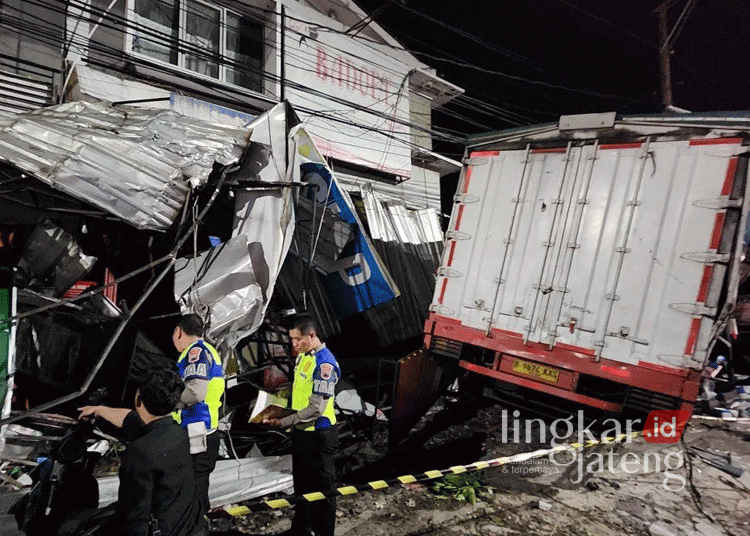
(664, 53)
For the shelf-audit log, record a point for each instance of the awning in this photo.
(135, 163)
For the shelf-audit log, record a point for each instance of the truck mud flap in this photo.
(421, 377)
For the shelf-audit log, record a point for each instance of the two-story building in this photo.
(366, 101)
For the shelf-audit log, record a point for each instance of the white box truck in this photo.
(596, 259)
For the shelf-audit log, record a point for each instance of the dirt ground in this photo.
(630, 488)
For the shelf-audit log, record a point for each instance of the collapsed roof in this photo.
(135, 163)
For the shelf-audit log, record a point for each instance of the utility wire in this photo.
(365, 42)
(611, 25)
(511, 55)
(458, 61)
(378, 46)
(679, 25)
(118, 53)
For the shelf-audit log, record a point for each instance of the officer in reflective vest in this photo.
(314, 436)
(200, 367)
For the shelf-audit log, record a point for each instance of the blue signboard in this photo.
(358, 280)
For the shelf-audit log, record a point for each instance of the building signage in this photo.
(352, 94)
(358, 280)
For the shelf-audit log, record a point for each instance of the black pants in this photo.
(102, 522)
(314, 469)
(203, 464)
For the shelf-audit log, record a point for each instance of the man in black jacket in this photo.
(156, 473)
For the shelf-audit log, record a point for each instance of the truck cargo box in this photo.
(596, 259)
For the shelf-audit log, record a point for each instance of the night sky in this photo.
(573, 56)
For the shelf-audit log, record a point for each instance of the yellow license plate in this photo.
(539, 371)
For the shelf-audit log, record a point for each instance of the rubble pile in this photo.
(724, 393)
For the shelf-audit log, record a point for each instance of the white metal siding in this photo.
(555, 224)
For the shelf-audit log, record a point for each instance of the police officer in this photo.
(314, 436)
(200, 367)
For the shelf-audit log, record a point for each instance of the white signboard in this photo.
(352, 94)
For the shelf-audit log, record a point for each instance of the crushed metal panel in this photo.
(231, 482)
(224, 278)
(421, 377)
(87, 84)
(56, 350)
(335, 233)
(262, 232)
(429, 224)
(292, 278)
(234, 481)
(318, 297)
(135, 163)
(52, 258)
(358, 279)
(420, 191)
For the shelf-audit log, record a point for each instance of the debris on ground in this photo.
(632, 487)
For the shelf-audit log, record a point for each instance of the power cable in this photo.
(310, 70)
(610, 24)
(118, 53)
(298, 87)
(370, 43)
(679, 25)
(511, 55)
(363, 23)
(462, 63)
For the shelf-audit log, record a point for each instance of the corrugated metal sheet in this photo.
(410, 244)
(305, 288)
(19, 94)
(422, 190)
(135, 163)
(231, 482)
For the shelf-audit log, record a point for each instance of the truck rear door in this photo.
(613, 248)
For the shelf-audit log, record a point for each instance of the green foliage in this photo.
(462, 487)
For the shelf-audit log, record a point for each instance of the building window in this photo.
(202, 38)
(158, 29)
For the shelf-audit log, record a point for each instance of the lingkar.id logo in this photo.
(665, 426)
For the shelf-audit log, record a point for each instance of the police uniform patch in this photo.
(326, 369)
(194, 355)
(307, 366)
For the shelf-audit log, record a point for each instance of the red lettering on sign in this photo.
(353, 77)
(356, 76)
(321, 66)
(341, 70)
(364, 82)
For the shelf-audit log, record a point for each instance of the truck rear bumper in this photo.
(567, 368)
(538, 386)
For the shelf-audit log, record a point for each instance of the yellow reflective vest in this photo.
(306, 374)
